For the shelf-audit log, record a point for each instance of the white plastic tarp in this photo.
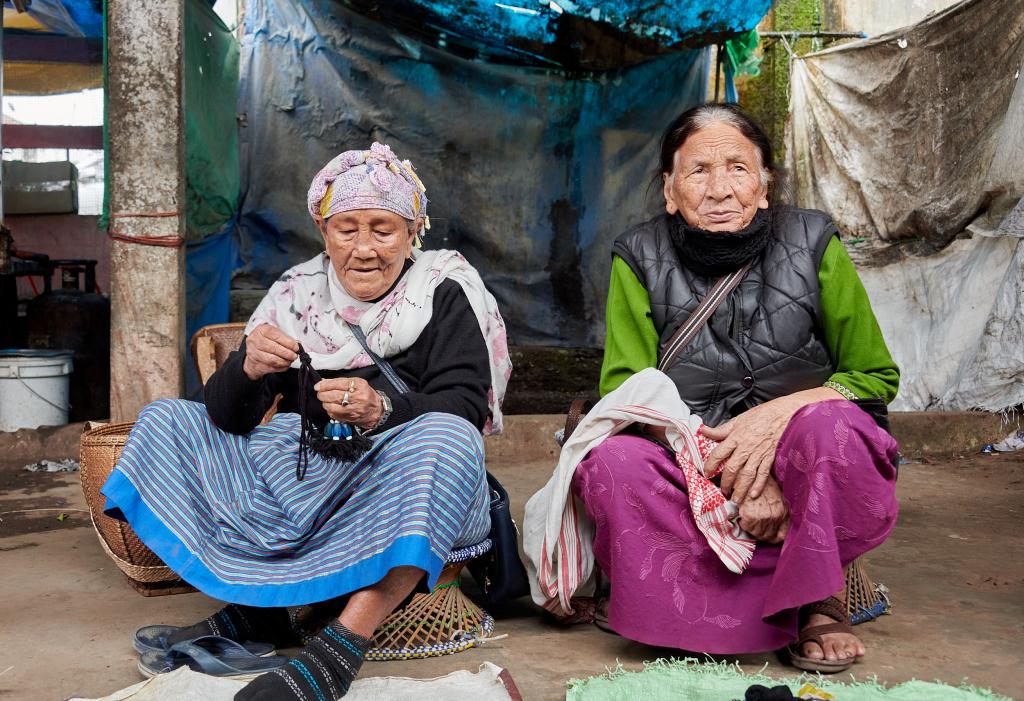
(912, 133)
(958, 345)
(919, 134)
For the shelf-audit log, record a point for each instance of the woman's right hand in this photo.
(268, 350)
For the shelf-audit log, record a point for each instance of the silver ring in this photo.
(344, 399)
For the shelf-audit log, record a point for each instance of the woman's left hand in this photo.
(766, 517)
(350, 400)
(747, 443)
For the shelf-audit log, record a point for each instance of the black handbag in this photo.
(500, 571)
(876, 408)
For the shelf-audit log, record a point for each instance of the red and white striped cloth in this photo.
(558, 534)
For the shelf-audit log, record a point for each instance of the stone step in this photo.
(529, 438)
(920, 433)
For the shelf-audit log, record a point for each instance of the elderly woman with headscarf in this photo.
(807, 477)
(253, 514)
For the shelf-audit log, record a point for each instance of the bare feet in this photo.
(835, 647)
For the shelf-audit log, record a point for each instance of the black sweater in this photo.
(447, 370)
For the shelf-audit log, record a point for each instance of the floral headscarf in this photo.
(373, 179)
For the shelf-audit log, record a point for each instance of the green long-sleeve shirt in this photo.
(864, 367)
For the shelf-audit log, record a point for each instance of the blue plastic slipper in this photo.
(210, 654)
(154, 639)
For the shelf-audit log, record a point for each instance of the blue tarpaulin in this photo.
(208, 266)
(73, 18)
(583, 33)
(534, 125)
(531, 172)
(211, 170)
(667, 23)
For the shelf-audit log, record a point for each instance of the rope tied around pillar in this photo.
(167, 241)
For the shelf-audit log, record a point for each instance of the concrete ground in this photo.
(954, 566)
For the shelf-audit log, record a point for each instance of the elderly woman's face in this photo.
(716, 182)
(368, 249)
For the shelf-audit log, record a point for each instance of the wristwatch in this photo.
(386, 414)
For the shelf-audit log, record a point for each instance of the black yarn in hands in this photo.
(311, 436)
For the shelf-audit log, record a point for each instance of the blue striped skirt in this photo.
(227, 513)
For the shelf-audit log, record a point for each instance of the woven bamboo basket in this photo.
(865, 600)
(443, 622)
(100, 448)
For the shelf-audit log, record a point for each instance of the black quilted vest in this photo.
(765, 340)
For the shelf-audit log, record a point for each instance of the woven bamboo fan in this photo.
(100, 449)
(865, 600)
(443, 622)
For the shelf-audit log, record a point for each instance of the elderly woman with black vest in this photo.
(773, 373)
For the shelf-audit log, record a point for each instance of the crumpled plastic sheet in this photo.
(66, 465)
(914, 132)
(546, 32)
(898, 137)
(73, 18)
(1011, 444)
(183, 683)
(953, 324)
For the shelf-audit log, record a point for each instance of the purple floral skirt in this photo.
(837, 471)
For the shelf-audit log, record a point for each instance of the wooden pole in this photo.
(146, 176)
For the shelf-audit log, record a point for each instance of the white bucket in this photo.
(33, 388)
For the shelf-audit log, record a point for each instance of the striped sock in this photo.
(322, 671)
(242, 623)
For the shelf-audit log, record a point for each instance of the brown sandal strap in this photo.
(814, 633)
(831, 607)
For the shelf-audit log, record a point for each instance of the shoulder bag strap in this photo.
(385, 366)
(692, 326)
(683, 335)
(573, 418)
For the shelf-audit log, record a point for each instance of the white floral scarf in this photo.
(309, 304)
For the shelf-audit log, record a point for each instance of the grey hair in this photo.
(697, 118)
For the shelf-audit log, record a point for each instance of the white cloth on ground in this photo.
(183, 683)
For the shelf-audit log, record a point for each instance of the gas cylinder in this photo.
(76, 319)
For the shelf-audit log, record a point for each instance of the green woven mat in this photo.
(693, 680)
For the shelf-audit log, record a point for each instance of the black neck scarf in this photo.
(718, 253)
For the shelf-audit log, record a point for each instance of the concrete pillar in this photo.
(146, 176)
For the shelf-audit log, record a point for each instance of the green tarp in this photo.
(211, 131)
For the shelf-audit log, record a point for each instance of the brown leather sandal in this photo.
(834, 609)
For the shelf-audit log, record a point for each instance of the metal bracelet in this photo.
(386, 413)
(845, 391)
